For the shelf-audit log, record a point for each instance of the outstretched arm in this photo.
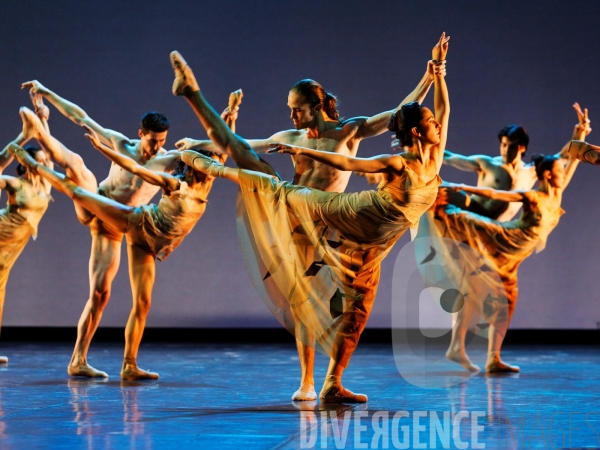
(380, 163)
(470, 163)
(162, 179)
(374, 126)
(258, 145)
(75, 113)
(441, 101)
(581, 130)
(494, 194)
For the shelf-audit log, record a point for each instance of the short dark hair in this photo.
(21, 169)
(315, 95)
(154, 121)
(515, 134)
(404, 120)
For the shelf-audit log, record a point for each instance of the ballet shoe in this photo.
(336, 393)
(235, 100)
(85, 370)
(3, 360)
(133, 373)
(184, 77)
(31, 123)
(304, 395)
(499, 366)
(582, 151)
(462, 359)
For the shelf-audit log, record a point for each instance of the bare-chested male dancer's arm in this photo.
(364, 127)
(483, 163)
(118, 141)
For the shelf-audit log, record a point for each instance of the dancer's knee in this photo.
(99, 298)
(142, 305)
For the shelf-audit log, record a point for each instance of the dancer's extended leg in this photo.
(585, 152)
(242, 153)
(73, 164)
(141, 274)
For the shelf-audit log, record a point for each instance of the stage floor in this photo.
(238, 396)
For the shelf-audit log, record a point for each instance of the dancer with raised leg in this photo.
(121, 186)
(321, 251)
(506, 245)
(317, 125)
(28, 197)
(152, 231)
(505, 172)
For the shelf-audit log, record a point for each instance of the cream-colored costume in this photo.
(18, 222)
(315, 256)
(159, 229)
(503, 245)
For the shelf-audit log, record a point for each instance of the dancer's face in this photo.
(302, 114)
(509, 152)
(152, 141)
(556, 176)
(429, 128)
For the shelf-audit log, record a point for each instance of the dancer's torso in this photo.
(409, 193)
(30, 201)
(129, 189)
(316, 175)
(497, 175)
(179, 211)
(539, 218)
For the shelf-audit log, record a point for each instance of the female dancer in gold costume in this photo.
(319, 253)
(505, 245)
(154, 230)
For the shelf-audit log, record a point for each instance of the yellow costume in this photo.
(159, 229)
(492, 279)
(19, 221)
(315, 256)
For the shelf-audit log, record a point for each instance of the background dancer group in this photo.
(312, 252)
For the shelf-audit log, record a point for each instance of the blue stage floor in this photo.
(238, 396)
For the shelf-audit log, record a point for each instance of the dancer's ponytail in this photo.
(315, 95)
(404, 120)
(542, 163)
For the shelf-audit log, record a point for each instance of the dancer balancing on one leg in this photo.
(505, 172)
(293, 227)
(317, 125)
(28, 197)
(121, 186)
(152, 231)
(507, 244)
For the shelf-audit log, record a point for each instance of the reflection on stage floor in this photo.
(238, 396)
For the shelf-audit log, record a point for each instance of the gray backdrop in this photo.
(509, 61)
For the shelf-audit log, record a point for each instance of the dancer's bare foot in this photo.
(305, 393)
(460, 357)
(85, 370)
(334, 392)
(499, 366)
(3, 360)
(31, 123)
(130, 372)
(184, 77)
